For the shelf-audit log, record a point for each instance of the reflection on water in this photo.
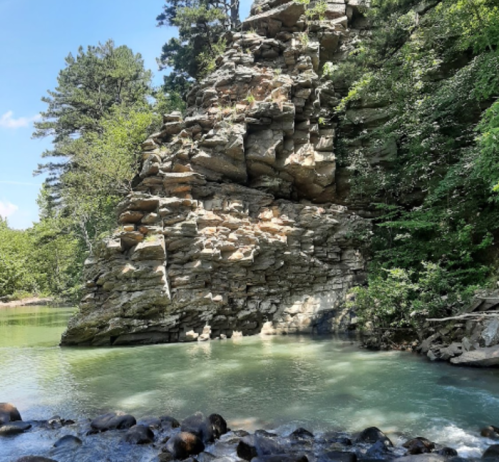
(319, 383)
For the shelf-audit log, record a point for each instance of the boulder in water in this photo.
(447, 452)
(200, 426)
(419, 445)
(139, 434)
(113, 421)
(218, 425)
(169, 422)
(8, 413)
(14, 428)
(492, 452)
(68, 441)
(490, 432)
(372, 435)
(254, 446)
(301, 434)
(184, 444)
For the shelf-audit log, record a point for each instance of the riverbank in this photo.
(120, 437)
(470, 338)
(32, 301)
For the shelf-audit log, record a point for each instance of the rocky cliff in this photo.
(234, 221)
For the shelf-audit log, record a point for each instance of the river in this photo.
(320, 383)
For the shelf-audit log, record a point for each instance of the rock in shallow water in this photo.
(419, 446)
(184, 445)
(113, 421)
(14, 428)
(68, 441)
(139, 434)
(492, 452)
(8, 413)
(373, 435)
(254, 446)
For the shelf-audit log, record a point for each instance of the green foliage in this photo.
(318, 11)
(100, 113)
(201, 28)
(434, 68)
(403, 298)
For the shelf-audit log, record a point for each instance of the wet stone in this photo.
(68, 441)
(139, 434)
(14, 428)
(113, 421)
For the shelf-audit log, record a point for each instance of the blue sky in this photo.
(35, 37)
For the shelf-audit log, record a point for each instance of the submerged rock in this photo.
(218, 425)
(34, 459)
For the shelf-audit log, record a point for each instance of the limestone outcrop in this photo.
(234, 220)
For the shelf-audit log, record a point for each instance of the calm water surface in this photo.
(277, 382)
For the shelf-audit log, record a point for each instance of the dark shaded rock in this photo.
(336, 438)
(419, 446)
(164, 457)
(240, 433)
(492, 452)
(447, 452)
(198, 425)
(34, 459)
(281, 458)
(301, 433)
(68, 441)
(423, 458)
(254, 445)
(265, 434)
(8, 413)
(218, 425)
(373, 435)
(338, 456)
(167, 421)
(14, 428)
(151, 422)
(490, 432)
(379, 450)
(139, 434)
(113, 421)
(184, 444)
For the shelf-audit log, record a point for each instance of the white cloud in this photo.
(8, 120)
(7, 209)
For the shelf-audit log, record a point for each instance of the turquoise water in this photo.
(274, 382)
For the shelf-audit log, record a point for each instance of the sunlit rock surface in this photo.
(234, 219)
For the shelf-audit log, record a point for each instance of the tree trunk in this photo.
(234, 13)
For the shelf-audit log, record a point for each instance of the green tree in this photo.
(434, 66)
(90, 85)
(202, 25)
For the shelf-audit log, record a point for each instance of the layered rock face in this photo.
(233, 221)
